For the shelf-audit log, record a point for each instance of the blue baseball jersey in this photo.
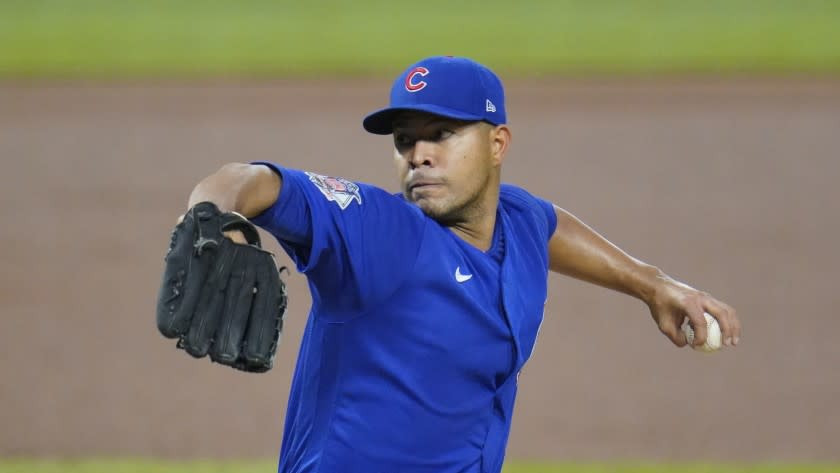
(415, 338)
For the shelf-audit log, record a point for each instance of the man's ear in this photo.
(499, 142)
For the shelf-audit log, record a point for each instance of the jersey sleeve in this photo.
(547, 209)
(542, 211)
(356, 243)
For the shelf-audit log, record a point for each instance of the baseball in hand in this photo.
(713, 337)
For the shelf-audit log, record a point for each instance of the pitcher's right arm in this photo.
(247, 189)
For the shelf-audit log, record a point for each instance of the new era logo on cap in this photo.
(451, 87)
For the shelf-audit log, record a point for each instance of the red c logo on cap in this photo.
(410, 85)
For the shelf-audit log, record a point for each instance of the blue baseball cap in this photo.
(453, 87)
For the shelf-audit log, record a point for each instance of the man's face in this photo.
(444, 165)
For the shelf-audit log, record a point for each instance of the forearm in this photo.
(244, 188)
(578, 251)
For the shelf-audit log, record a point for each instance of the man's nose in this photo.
(423, 154)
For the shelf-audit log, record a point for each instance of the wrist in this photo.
(646, 283)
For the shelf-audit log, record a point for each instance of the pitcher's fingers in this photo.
(697, 320)
(672, 330)
(734, 323)
(720, 313)
(736, 327)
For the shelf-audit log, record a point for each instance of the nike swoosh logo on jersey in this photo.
(461, 277)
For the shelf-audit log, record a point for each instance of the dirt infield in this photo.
(730, 185)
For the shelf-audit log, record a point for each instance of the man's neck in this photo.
(477, 229)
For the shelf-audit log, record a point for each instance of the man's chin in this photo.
(441, 216)
(429, 208)
(434, 208)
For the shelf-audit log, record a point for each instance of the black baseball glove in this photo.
(218, 297)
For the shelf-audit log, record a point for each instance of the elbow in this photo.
(245, 188)
(234, 169)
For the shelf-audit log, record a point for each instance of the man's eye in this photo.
(443, 134)
(402, 140)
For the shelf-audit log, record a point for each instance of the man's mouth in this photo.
(423, 184)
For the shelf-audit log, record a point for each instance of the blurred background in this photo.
(700, 136)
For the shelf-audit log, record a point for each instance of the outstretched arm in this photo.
(578, 251)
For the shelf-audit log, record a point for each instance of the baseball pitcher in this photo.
(425, 304)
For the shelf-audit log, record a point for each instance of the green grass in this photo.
(188, 38)
(145, 466)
